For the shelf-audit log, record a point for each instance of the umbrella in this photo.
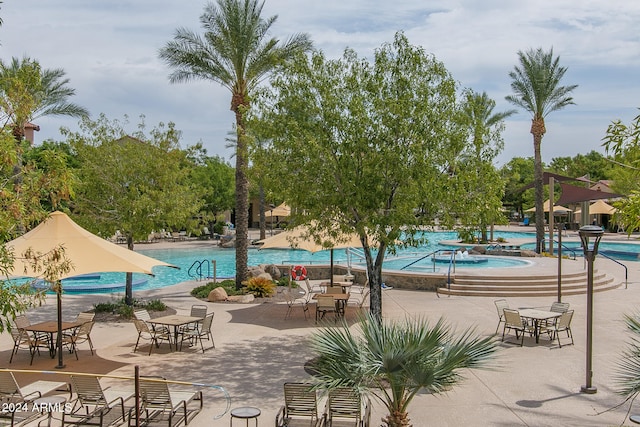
(86, 252)
(280, 210)
(300, 238)
(556, 208)
(601, 207)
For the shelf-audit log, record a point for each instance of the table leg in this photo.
(52, 346)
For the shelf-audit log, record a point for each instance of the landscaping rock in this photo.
(245, 299)
(218, 294)
(273, 271)
(524, 252)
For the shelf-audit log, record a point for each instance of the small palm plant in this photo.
(394, 360)
(628, 368)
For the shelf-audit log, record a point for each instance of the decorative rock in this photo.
(481, 250)
(273, 271)
(245, 299)
(218, 294)
(265, 276)
(254, 271)
(527, 253)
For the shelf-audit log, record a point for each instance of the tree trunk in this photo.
(128, 289)
(537, 129)
(374, 272)
(242, 192)
(397, 419)
(263, 221)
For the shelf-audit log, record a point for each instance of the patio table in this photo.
(175, 320)
(51, 327)
(537, 317)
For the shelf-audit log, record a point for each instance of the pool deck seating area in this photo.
(257, 350)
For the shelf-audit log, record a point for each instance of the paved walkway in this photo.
(257, 350)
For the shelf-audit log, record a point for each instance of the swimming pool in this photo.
(616, 250)
(416, 264)
(225, 261)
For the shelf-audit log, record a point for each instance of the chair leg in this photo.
(90, 344)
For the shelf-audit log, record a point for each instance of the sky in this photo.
(109, 51)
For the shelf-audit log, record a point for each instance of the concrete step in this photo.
(503, 286)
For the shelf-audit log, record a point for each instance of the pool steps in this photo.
(514, 286)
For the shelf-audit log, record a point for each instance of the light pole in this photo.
(590, 236)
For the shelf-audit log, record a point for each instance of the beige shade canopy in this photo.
(556, 208)
(280, 210)
(299, 238)
(601, 207)
(87, 252)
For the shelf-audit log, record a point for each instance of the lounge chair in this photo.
(204, 332)
(345, 407)
(158, 400)
(11, 392)
(500, 304)
(300, 406)
(95, 405)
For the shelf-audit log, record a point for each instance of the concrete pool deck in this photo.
(257, 351)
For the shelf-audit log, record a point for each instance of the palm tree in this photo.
(234, 52)
(28, 92)
(395, 360)
(536, 87)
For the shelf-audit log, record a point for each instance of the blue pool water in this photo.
(225, 260)
(616, 250)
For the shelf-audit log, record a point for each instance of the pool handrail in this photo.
(626, 270)
(198, 269)
(426, 256)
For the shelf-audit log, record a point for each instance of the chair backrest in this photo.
(85, 316)
(300, 400)
(565, 320)
(85, 329)
(326, 302)
(339, 278)
(308, 286)
(141, 326)
(365, 296)
(559, 307)
(512, 318)
(334, 290)
(344, 402)
(22, 321)
(8, 385)
(206, 323)
(199, 310)
(142, 315)
(501, 304)
(155, 394)
(89, 390)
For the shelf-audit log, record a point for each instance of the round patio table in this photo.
(245, 413)
(635, 419)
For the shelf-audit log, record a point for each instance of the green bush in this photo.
(105, 307)
(260, 287)
(203, 291)
(155, 305)
(286, 281)
(126, 311)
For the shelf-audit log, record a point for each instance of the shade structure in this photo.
(86, 252)
(556, 208)
(280, 210)
(601, 208)
(300, 238)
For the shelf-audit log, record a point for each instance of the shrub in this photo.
(155, 305)
(105, 307)
(203, 291)
(286, 281)
(126, 311)
(501, 240)
(259, 287)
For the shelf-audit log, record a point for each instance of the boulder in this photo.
(265, 276)
(245, 299)
(254, 271)
(273, 271)
(478, 250)
(527, 253)
(218, 294)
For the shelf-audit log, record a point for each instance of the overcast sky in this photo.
(109, 50)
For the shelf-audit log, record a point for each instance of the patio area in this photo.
(257, 350)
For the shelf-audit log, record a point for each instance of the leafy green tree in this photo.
(135, 184)
(360, 147)
(517, 174)
(28, 92)
(24, 203)
(623, 142)
(481, 187)
(594, 164)
(236, 53)
(396, 360)
(536, 86)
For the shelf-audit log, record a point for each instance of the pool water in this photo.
(615, 250)
(427, 264)
(225, 260)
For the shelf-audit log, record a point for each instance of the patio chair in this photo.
(312, 289)
(145, 317)
(85, 316)
(359, 303)
(95, 405)
(326, 304)
(334, 290)
(147, 333)
(513, 321)
(23, 339)
(204, 332)
(562, 325)
(158, 400)
(345, 407)
(501, 304)
(292, 301)
(12, 393)
(559, 307)
(300, 406)
(79, 335)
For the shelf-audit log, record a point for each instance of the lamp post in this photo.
(590, 236)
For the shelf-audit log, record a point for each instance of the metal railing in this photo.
(200, 270)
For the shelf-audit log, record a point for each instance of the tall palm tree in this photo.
(236, 53)
(28, 92)
(537, 89)
(395, 360)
